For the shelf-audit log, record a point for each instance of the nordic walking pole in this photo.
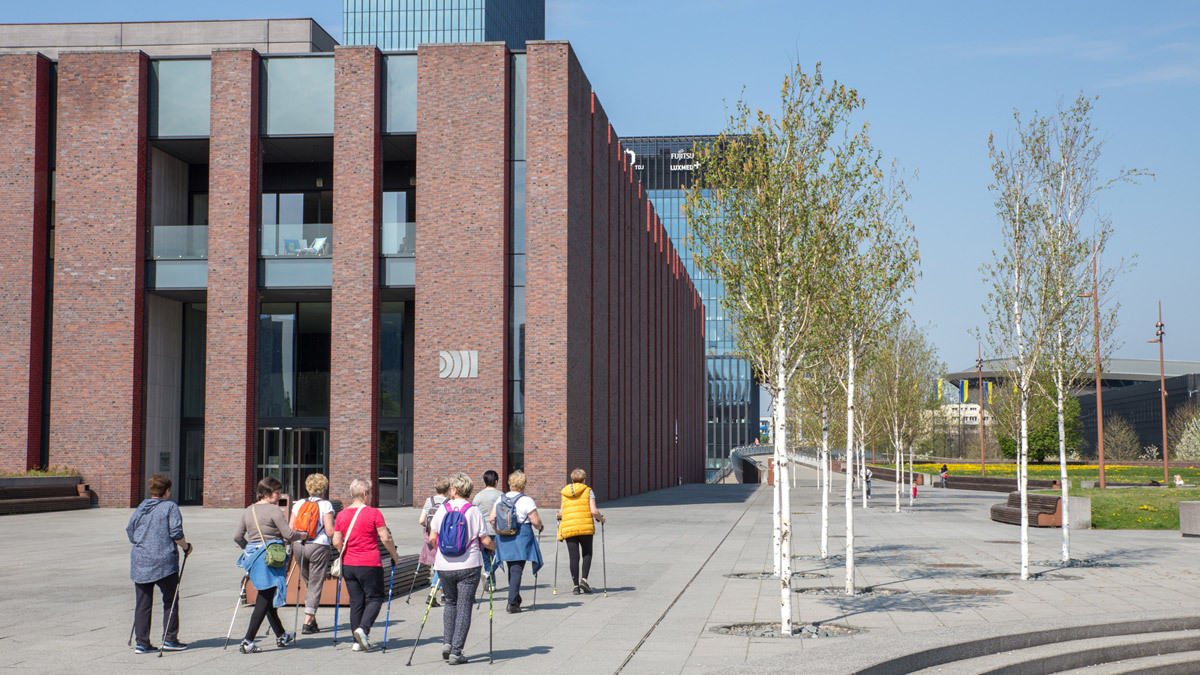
(413, 584)
(337, 605)
(557, 541)
(388, 618)
(235, 611)
(428, 606)
(296, 621)
(130, 643)
(603, 559)
(174, 603)
(491, 607)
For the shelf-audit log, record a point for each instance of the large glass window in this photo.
(400, 94)
(293, 360)
(297, 224)
(391, 360)
(399, 229)
(191, 424)
(297, 96)
(179, 97)
(516, 282)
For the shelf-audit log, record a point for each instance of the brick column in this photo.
(231, 392)
(462, 184)
(357, 175)
(24, 186)
(96, 406)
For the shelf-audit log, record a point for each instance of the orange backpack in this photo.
(309, 518)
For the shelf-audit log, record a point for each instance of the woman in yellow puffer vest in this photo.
(577, 528)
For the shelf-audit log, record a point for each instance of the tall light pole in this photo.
(1162, 389)
(1095, 296)
(979, 374)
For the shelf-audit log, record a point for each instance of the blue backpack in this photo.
(453, 535)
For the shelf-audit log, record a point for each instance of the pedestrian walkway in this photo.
(68, 601)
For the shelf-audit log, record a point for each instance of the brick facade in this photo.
(461, 260)
(354, 326)
(97, 360)
(230, 375)
(24, 187)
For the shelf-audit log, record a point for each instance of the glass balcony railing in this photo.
(399, 240)
(179, 242)
(308, 240)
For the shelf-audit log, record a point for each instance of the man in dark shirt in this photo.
(155, 529)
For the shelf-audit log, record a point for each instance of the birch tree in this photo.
(757, 225)
(1067, 161)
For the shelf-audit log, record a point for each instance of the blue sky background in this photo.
(937, 76)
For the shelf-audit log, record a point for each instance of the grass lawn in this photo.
(1135, 508)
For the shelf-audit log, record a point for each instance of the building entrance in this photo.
(395, 465)
(291, 454)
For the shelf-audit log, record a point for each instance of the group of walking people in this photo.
(464, 542)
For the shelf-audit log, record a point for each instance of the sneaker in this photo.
(433, 602)
(583, 586)
(456, 659)
(577, 591)
(285, 639)
(514, 609)
(356, 648)
(144, 649)
(249, 647)
(310, 628)
(360, 637)
(174, 646)
(445, 652)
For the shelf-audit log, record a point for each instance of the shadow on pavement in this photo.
(905, 602)
(684, 495)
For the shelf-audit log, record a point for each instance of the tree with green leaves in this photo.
(758, 223)
(1049, 435)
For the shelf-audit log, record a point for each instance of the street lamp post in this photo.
(1095, 296)
(979, 374)
(1162, 389)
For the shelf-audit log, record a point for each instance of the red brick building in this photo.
(232, 264)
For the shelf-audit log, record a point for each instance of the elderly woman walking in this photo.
(314, 555)
(459, 563)
(264, 532)
(577, 528)
(518, 518)
(358, 532)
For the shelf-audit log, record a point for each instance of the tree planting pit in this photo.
(765, 629)
(1038, 576)
(970, 592)
(830, 591)
(766, 576)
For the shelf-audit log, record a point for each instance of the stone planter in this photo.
(39, 481)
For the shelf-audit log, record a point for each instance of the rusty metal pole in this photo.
(1162, 386)
(979, 372)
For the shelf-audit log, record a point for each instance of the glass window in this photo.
(179, 97)
(194, 335)
(297, 224)
(518, 106)
(297, 95)
(400, 94)
(293, 359)
(391, 359)
(398, 229)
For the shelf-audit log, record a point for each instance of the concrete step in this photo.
(1178, 663)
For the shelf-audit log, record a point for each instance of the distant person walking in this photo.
(358, 532)
(155, 529)
(868, 474)
(945, 476)
(459, 534)
(485, 500)
(428, 554)
(578, 515)
(314, 555)
(262, 531)
(514, 518)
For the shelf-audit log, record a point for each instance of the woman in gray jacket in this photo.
(155, 529)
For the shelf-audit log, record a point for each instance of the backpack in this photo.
(507, 521)
(453, 535)
(308, 518)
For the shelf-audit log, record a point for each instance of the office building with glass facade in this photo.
(404, 24)
(665, 165)
(228, 264)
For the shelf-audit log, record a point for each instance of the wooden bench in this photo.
(405, 570)
(991, 484)
(1044, 510)
(41, 499)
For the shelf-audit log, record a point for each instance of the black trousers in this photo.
(575, 545)
(365, 586)
(515, 569)
(143, 608)
(264, 607)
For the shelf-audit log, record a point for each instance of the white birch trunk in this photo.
(850, 470)
(785, 507)
(1062, 462)
(912, 480)
(825, 482)
(776, 491)
(1023, 484)
(899, 458)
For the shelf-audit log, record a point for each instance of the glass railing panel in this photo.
(307, 240)
(179, 242)
(399, 240)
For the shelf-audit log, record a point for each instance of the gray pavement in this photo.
(67, 605)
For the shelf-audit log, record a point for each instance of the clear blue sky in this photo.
(937, 76)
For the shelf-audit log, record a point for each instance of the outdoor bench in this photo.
(1044, 510)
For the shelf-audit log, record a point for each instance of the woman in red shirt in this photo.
(358, 531)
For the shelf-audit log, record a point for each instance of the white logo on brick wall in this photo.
(458, 363)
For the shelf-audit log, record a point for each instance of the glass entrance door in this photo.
(395, 467)
(291, 454)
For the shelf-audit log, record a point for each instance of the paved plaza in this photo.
(68, 601)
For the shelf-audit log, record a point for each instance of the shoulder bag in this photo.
(276, 553)
(335, 570)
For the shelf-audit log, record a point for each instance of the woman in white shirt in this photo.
(315, 554)
(521, 546)
(459, 574)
